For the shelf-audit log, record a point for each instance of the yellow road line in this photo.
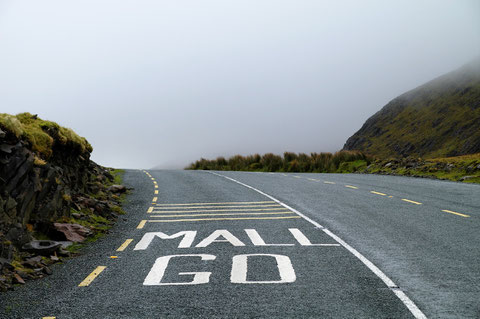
(87, 281)
(296, 176)
(150, 209)
(141, 224)
(411, 201)
(155, 182)
(220, 203)
(216, 210)
(152, 178)
(223, 214)
(48, 317)
(156, 192)
(154, 199)
(374, 192)
(156, 186)
(350, 186)
(113, 257)
(124, 245)
(313, 179)
(450, 212)
(233, 218)
(233, 206)
(327, 182)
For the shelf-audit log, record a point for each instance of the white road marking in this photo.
(416, 312)
(240, 269)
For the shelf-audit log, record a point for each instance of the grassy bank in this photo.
(339, 162)
(460, 168)
(464, 168)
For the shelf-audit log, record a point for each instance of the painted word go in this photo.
(238, 274)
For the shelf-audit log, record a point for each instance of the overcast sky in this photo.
(166, 82)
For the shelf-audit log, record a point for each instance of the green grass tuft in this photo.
(43, 136)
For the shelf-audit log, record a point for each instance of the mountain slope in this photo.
(438, 119)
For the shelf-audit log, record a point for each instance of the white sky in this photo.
(166, 82)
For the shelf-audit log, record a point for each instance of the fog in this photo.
(163, 83)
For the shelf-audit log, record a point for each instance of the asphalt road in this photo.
(262, 245)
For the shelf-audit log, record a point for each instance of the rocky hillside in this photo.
(438, 119)
(51, 195)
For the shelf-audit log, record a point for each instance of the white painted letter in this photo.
(240, 270)
(229, 238)
(303, 240)
(258, 241)
(186, 242)
(155, 275)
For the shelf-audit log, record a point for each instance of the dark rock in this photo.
(18, 236)
(47, 270)
(6, 148)
(117, 189)
(5, 264)
(33, 262)
(42, 247)
(64, 253)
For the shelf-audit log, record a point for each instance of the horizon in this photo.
(163, 84)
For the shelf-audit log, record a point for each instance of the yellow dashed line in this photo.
(87, 281)
(220, 203)
(451, 212)
(154, 199)
(411, 201)
(150, 209)
(296, 176)
(374, 192)
(141, 224)
(156, 186)
(113, 257)
(223, 214)
(48, 317)
(327, 182)
(350, 186)
(233, 218)
(155, 182)
(313, 179)
(156, 192)
(125, 245)
(217, 210)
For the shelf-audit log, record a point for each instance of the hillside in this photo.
(438, 119)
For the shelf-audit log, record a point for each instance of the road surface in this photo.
(261, 245)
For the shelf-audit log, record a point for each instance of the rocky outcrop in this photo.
(35, 193)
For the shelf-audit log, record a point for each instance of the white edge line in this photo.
(416, 312)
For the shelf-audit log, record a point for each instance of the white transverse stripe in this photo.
(417, 313)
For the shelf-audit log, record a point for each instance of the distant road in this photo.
(236, 244)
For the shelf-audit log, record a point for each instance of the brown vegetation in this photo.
(339, 162)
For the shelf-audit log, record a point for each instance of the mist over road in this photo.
(239, 244)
